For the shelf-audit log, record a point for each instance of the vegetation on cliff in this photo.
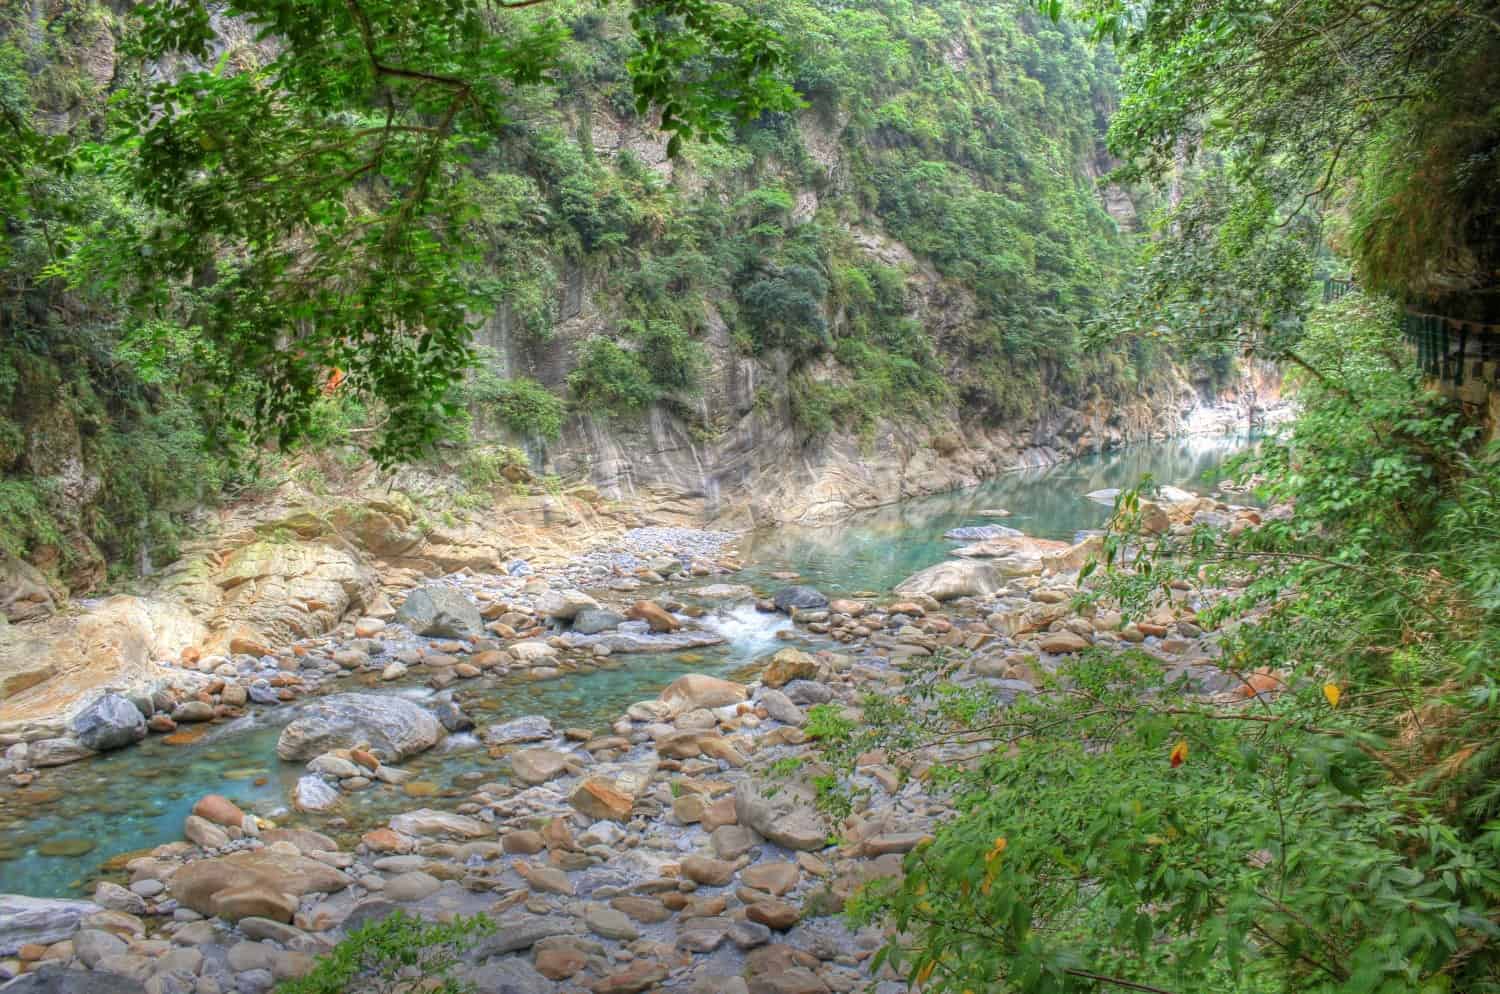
(250, 227)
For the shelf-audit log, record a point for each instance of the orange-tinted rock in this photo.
(654, 615)
(220, 810)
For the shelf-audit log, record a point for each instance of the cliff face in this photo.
(877, 297)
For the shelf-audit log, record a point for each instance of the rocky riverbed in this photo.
(655, 849)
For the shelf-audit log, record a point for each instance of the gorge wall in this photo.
(879, 296)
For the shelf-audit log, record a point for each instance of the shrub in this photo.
(399, 954)
(528, 408)
(675, 361)
(609, 379)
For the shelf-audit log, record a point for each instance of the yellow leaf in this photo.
(926, 971)
(1179, 753)
(1332, 693)
(996, 850)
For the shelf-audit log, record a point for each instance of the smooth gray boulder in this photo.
(593, 620)
(54, 978)
(41, 920)
(532, 728)
(952, 579)
(57, 752)
(440, 610)
(785, 811)
(392, 727)
(800, 597)
(627, 641)
(564, 605)
(978, 533)
(110, 722)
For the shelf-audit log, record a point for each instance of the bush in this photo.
(399, 954)
(675, 361)
(610, 380)
(528, 408)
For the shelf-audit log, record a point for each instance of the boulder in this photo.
(220, 810)
(564, 605)
(51, 666)
(950, 580)
(532, 728)
(56, 752)
(785, 812)
(723, 592)
(253, 884)
(788, 665)
(534, 766)
(38, 920)
(799, 598)
(695, 690)
(440, 610)
(628, 642)
(110, 722)
(55, 978)
(654, 615)
(978, 533)
(313, 793)
(427, 822)
(393, 727)
(601, 800)
(593, 620)
(1062, 642)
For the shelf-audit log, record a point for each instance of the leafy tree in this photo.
(305, 184)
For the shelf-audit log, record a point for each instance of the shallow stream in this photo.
(56, 835)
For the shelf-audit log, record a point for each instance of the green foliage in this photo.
(1124, 831)
(609, 379)
(518, 404)
(309, 208)
(1387, 112)
(397, 954)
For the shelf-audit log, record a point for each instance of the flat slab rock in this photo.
(393, 727)
(627, 642)
(38, 920)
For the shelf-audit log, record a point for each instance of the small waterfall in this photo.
(749, 632)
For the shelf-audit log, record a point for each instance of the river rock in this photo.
(779, 706)
(564, 605)
(978, 533)
(393, 727)
(203, 833)
(785, 812)
(116, 898)
(38, 920)
(592, 621)
(451, 715)
(110, 722)
(260, 884)
(57, 752)
(655, 615)
(427, 822)
(532, 728)
(627, 642)
(788, 665)
(696, 690)
(952, 579)
(334, 766)
(799, 598)
(601, 800)
(534, 766)
(55, 978)
(1062, 642)
(440, 610)
(313, 793)
(723, 592)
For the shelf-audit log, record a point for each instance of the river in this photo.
(57, 836)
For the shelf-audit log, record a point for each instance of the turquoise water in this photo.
(137, 798)
(880, 548)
